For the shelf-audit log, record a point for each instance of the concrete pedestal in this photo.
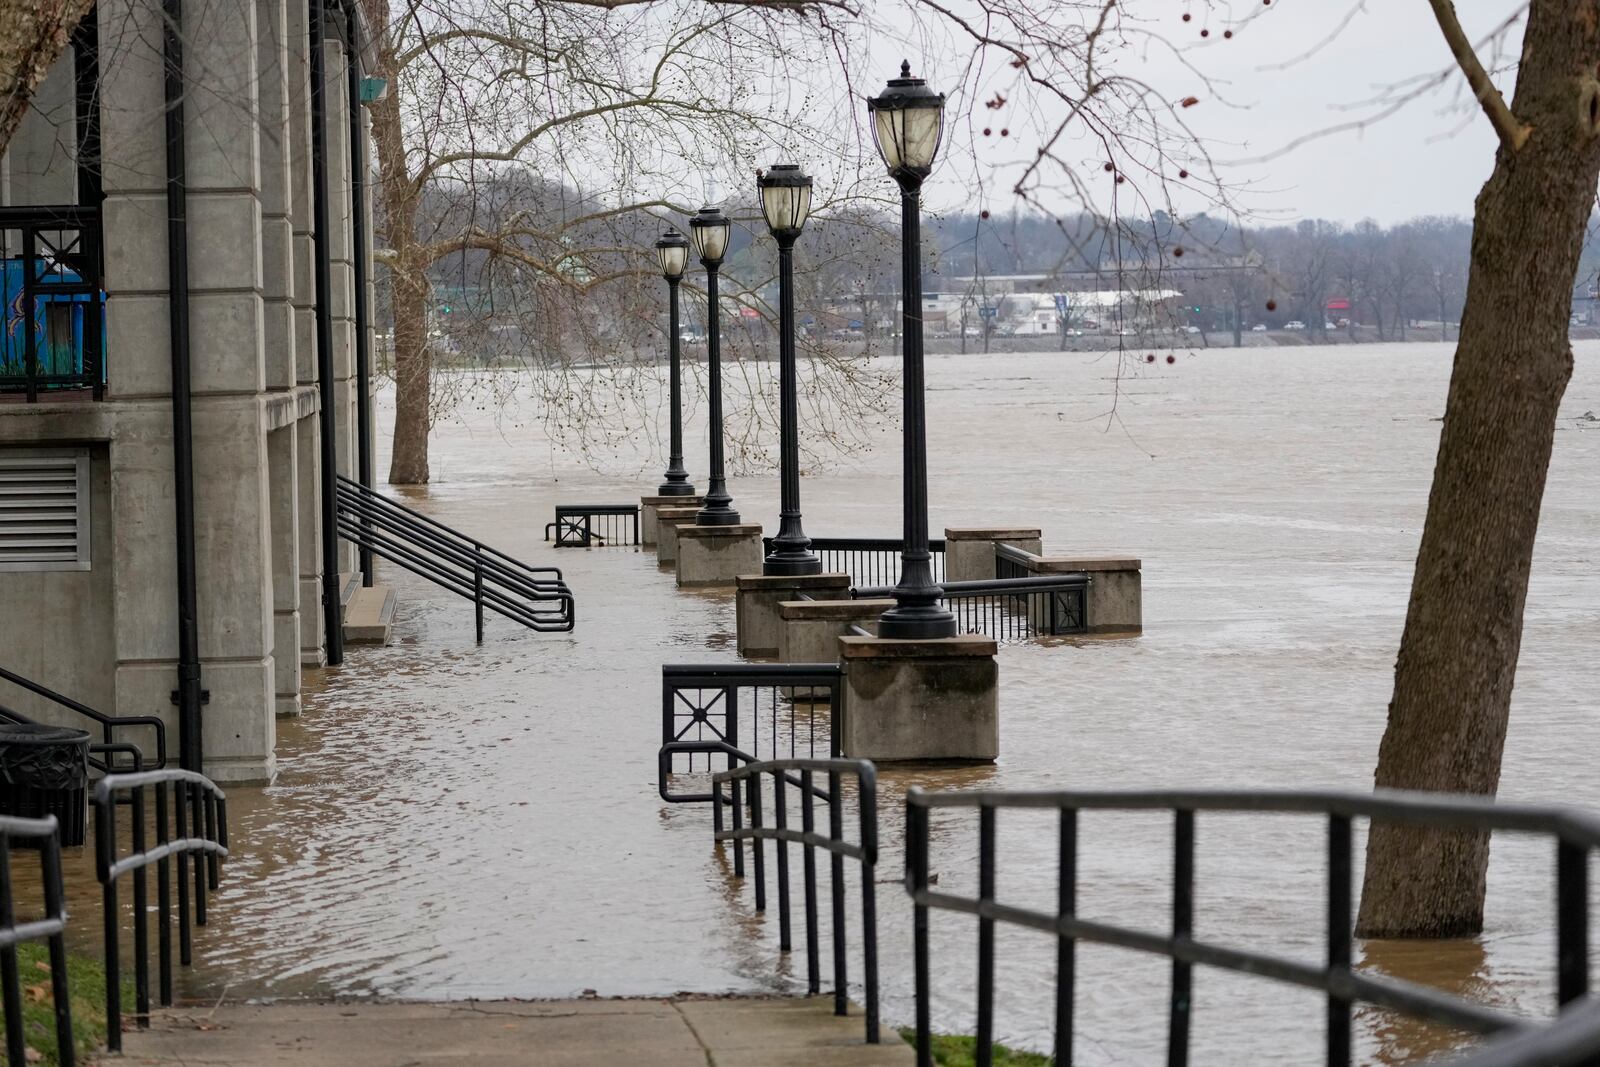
(921, 700)
(717, 555)
(649, 505)
(809, 630)
(1115, 601)
(758, 600)
(667, 522)
(969, 550)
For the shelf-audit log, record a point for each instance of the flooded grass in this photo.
(955, 1050)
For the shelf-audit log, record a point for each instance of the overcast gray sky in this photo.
(1429, 158)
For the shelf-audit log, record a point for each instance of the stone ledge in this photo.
(834, 580)
(960, 646)
(834, 609)
(668, 514)
(742, 529)
(1074, 564)
(992, 533)
(682, 500)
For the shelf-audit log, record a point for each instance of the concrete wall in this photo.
(253, 379)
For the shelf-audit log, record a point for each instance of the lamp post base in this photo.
(675, 489)
(714, 516)
(916, 624)
(791, 564)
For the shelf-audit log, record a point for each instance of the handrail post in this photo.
(477, 593)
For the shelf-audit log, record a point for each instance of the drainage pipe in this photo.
(188, 696)
(332, 621)
(358, 256)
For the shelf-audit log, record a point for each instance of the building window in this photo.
(44, 509)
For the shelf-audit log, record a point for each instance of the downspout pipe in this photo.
(358, 256)
(188, 696)
(332, 620)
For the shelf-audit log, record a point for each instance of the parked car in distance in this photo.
(1294, 324)
(1259, 327)
(1189, 329)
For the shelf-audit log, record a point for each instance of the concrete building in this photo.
(166, 550)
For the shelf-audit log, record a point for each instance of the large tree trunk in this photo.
(1463, 630)
(33, 34)
(408, 277)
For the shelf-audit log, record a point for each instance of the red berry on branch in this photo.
(1172, 359)
(1178, 250)
(1228, 34)
(1183, 174)
(1109, 168)
(1205, 33)
(1272, 305)
(1187, 16)
(1151, 358)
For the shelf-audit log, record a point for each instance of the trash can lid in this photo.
(36, 733)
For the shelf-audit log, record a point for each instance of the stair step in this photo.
(369, 615)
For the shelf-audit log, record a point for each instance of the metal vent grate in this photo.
(44, 509)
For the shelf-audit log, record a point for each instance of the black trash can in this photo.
(44, 770)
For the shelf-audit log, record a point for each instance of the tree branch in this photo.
(1513, 134)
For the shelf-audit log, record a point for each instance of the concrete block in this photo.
(757, 600)
(717, 555)
(809, 630)
(647, 513)
(667, 522)
(921, 700)
(1115, 602)
(969, 550)
(224, 240)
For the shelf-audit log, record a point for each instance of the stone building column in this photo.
(226, 319)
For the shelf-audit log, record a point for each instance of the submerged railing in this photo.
(108, 746)
(1573, 1038)
(536, 597)
(594, 525)
(869, 561)
(793, 784)
(40, 835)
(194, 832)
(1011, 609)
(757, 710)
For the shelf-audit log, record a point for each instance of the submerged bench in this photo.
(588, 525)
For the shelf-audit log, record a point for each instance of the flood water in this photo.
(455, 821)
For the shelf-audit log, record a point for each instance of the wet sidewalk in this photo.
(686, 1032)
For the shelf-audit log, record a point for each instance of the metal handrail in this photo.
(455, 562)
(108, 723)
(865, 852)
(52, 927)
(705, 703)
(199, 828)
(1575, 1036)
(418, 517)
(986, 586)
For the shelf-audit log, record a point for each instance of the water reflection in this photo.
(1460, 968)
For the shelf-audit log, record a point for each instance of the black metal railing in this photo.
(1012, 562)
(794, 793)
(194, 824)
(52, 324)
(108, 746)
(50, 926)
(758, 710)
(1574, 1038)
(594, 525)
(536, 597)
(1011, 609)
(867, 560)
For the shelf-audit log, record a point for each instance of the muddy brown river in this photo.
(455, 821)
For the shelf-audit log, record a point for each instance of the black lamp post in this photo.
(907, 122)
(786, 201)
(672, 251)
(710, 229)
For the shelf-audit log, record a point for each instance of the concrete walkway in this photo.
(687, 1032)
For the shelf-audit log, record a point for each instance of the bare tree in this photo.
(1463, 629)
(33, 34)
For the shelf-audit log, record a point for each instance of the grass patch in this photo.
(86, 981)
(959, 1050)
